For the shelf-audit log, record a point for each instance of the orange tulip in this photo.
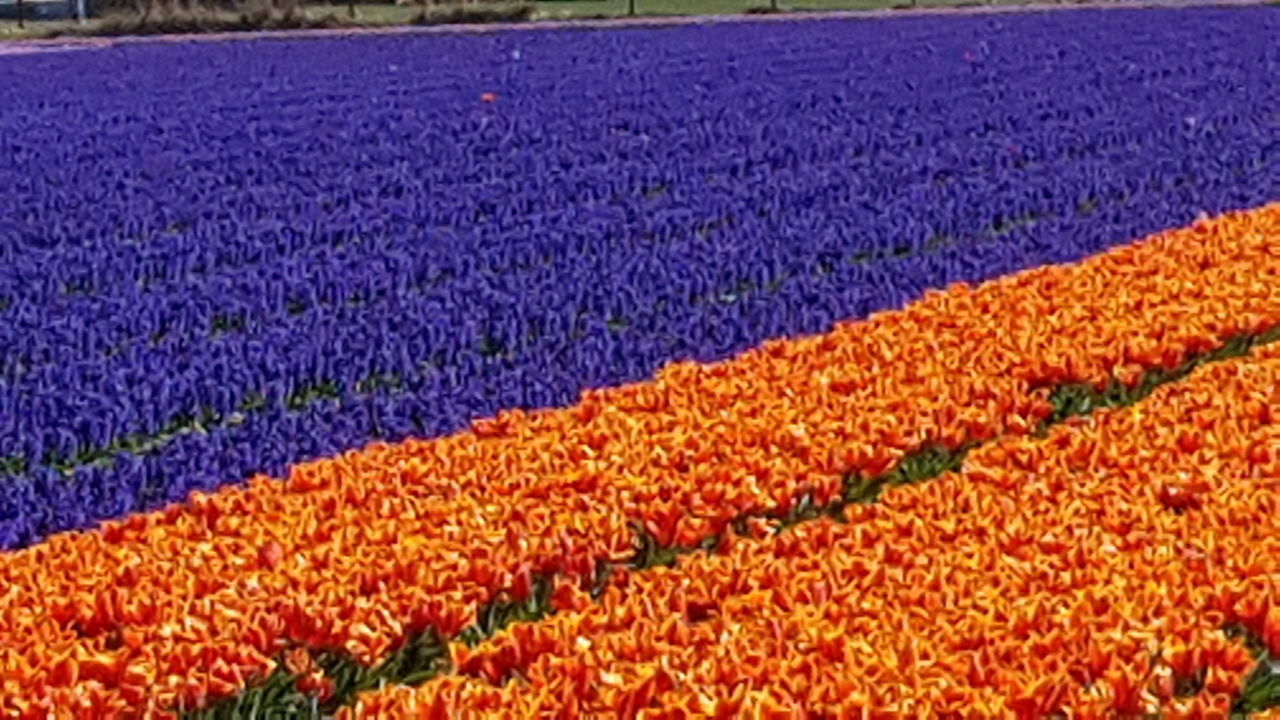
(1095, 620)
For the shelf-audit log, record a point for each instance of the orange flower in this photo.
(875, 616)
(315, 683)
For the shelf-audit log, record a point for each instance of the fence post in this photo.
(631, 8)
(21, 19)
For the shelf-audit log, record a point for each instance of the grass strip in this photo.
(426, 655)
(1082, 398)
(286, 694)
(1261, 689)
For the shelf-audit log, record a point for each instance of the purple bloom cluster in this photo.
(221, 259)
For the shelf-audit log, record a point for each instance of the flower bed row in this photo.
(361, 551)
(300, 262)
(1089, 572)
(325, 681)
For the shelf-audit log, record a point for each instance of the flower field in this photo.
(924, 367)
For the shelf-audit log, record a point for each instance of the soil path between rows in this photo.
(39, 45)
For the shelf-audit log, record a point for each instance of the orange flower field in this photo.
(1091, 570)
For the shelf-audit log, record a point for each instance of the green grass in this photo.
(387, 14)
(9, 29)
(570, 9)
(618, 8)
(420, 658)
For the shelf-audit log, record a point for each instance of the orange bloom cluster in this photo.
(1089, 572)
(175, 607)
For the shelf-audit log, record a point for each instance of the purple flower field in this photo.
(221, 259)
